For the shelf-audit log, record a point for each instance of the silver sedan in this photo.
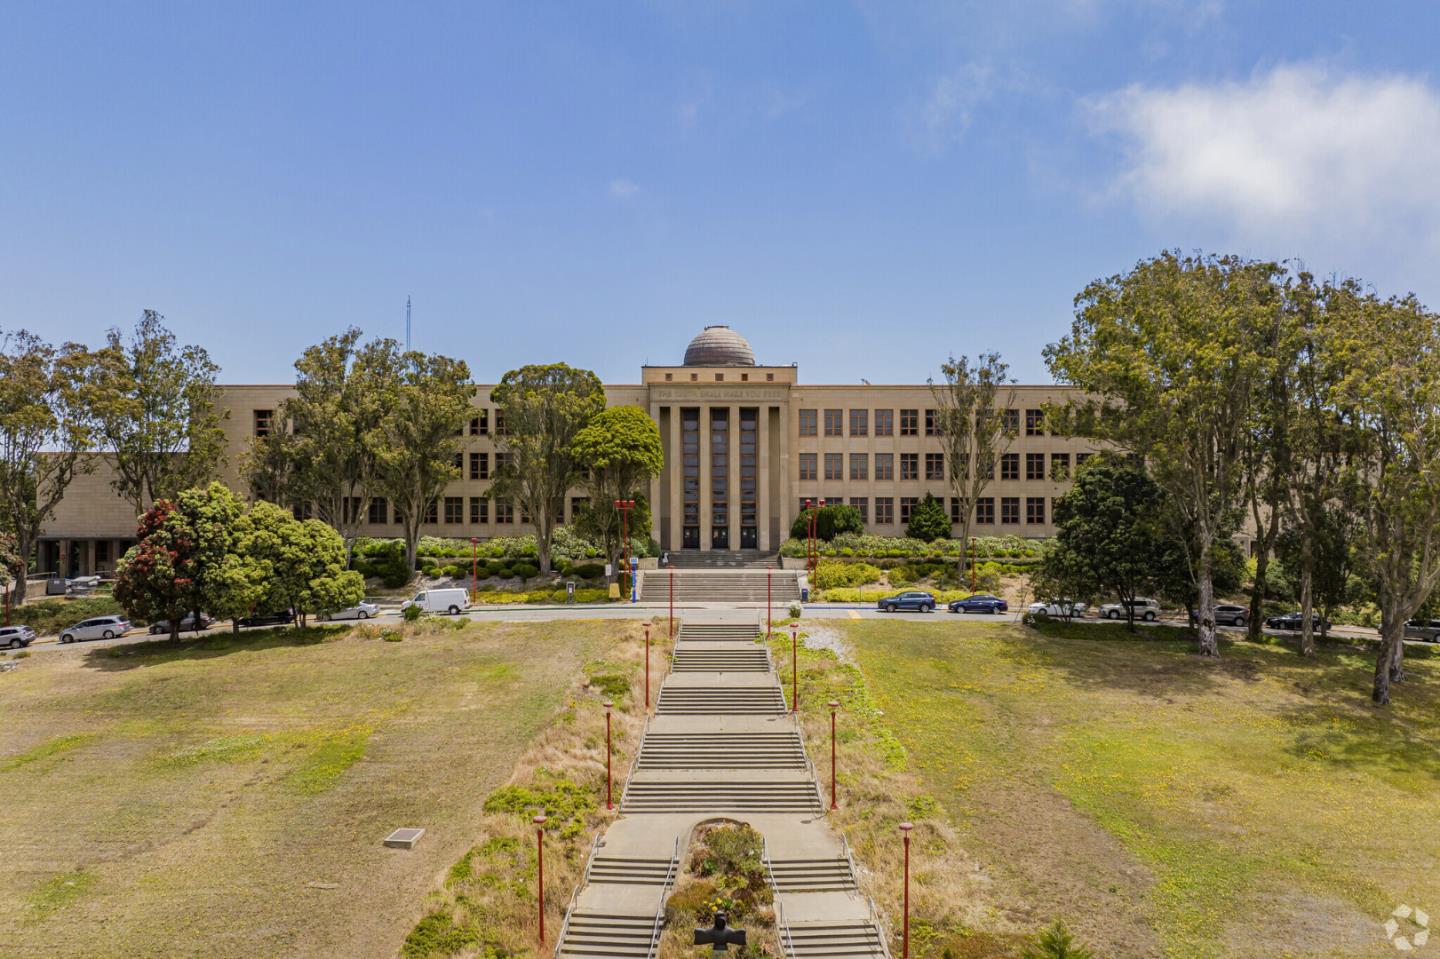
(365, 609)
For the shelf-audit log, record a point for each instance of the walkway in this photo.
(721, 744)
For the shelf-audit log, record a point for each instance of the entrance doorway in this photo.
(720, 537)
(749, 538)
(690, 538)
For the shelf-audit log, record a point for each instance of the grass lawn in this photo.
(1159, 804)
(228, 796)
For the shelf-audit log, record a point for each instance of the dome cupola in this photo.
(719, 346)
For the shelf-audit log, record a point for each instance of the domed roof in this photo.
(719, 346)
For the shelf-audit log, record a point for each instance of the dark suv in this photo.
(921, 602)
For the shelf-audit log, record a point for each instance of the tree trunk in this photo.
(1307, 604)
(1254, 629)
(1209, 643)
(23, 545)
(1390, 632)
(1397, 657)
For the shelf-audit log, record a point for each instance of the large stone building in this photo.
(745, 446)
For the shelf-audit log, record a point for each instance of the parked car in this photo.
(979, 603)
(1292, 621)
(16, 636)
(1226, 614)
(451, 601)
(101, 627)
(1146, 609)
(364, 609)
(1425, 629)
(922, 602)
(282, 618)
(1057, 607)
(187, 622)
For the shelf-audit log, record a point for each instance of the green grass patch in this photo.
(57, 892)
(49, 749)
(330, 755)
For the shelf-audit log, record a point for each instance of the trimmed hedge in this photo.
(871, 547)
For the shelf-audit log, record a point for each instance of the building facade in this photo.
(746, 445)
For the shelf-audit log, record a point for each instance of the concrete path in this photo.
(721, 745)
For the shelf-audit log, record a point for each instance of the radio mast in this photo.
(407, 324)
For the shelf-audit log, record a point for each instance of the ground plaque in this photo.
(405, 838)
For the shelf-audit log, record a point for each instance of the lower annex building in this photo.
(745, 446)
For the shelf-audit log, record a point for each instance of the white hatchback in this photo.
(101, 627)
(365, 609)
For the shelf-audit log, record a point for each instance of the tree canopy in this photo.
(618, 452)
(971, 408)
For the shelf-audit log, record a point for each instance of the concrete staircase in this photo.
(720, 586)
(740, 659)
(812, 875)
(609, 936)
(709, 701)
(831, 940)
(722, 751)
(714, 559)
(721, 797)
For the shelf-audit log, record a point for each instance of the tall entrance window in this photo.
(749, 472)
(720, 478)
(690, 466)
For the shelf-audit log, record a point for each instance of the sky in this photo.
(862, 188)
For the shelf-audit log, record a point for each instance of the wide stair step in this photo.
(632, 872)
(719, 632)
(732, 701)
(662, 797)
(719, 586)
(835, 940)
(603, 935)
(812, 875)
(737, 660)
(715, 559)
(722, 751)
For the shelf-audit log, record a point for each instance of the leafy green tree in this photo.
(176, 564)
(45, 430)
(1107, 531)
(971, 405)
(928, 520)
(832, 520)
(544, 409)
(417, 441)
(9, 563)
(1168, 359)
(156, 410)
(619, 451)
(286, 563)
(1386, 394)
(1317, 557)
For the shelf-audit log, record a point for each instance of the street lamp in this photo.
(474, 568)
(905, 828)
(834, 705)
(624, 506)
(609, 802)
(539, 822)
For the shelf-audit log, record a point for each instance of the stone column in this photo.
(763, 466)
(733, 452)
(676, 467)
(89, 557)
(706, 515)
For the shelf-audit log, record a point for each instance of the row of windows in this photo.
(984, 509)
(264, 421)
(934, 466)
(378, 513)
(883, 422)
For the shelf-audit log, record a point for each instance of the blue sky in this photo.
(861, 188)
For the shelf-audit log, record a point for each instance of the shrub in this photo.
(525, 570)
(833, 520)
(832, 573)
(928, 520)
(587, 571)
(412, 613)
(796, 611)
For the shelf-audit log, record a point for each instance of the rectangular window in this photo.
(932, 423)
(833, 421)
(500, 427)
(749, 475)
(859, 466)
(264, 422)
(985, 511)
(377, 514)
(459, 461)
(884, 466)
(834, 466)
(907, 506)
(1010, 466)
(934, 466)
(954, 509)
(454, 509)
(1034, 466)
(807, 423)
(1080, 459)
(504, 512)
(1010, 510)
(432, 512)
(884, 511)
(909, 422)
(1010, 422)
(909, 466)
(1035, 510)
(862, 506)
(807, 466)
(859, 422)
(479, 510)
(475, 473)
(884, 422)
(1034, 422)
(502, 461)
(1060, 466)
(480, 423)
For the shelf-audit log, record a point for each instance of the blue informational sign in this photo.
(634, 590)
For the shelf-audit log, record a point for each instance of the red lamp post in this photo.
(905, 828)
(624, 506)
(539, 822)
(647, 667)
(794, 668)
(609, 802)
(474, 567)
(834, 705)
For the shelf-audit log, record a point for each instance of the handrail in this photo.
(809, 764)
(575, 893)
(782, 927)
(879, 923)
(659, 921)
(634, 761)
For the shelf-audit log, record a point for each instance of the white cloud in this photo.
(623, 189)
(947, 111)
(1300, 153)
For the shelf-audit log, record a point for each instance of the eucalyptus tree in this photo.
(544, 408)
(619, 451)
(1166, 358)
(156, 409)
(45, 433)
(975, 428)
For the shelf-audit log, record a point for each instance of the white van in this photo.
(452, 601)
